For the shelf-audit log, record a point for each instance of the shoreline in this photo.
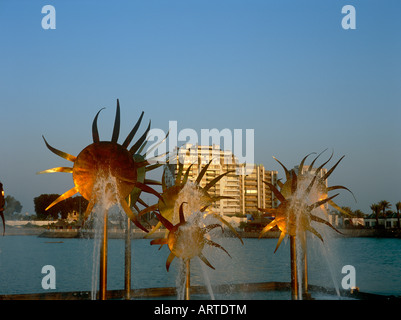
(120, 234)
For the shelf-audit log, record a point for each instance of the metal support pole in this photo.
(103, 261)
(294, 269)
(188, 280)
(305, 293)
(128, 260)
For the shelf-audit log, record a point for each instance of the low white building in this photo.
(388, 222)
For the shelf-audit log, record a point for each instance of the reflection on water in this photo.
(377, 263)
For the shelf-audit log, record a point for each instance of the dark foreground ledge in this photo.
(161, 293)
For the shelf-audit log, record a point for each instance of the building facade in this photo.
(247, 192)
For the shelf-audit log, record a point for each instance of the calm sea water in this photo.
(377, 263)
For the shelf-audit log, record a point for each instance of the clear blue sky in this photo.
(286, 69)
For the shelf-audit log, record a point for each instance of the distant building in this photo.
(256, 194)
(387, 222)
(248, 192)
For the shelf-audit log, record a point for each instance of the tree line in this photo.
(61, 209)
(382, 209)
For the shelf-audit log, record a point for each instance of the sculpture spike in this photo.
(185, 179)
(153, 166)
(321, 202)
(222, 220)
(320, 168)
(164, 186)
(277, 193)
(217, 179)
(202, 173)
(116, 129)
(181, 213)
(59, 153)
(142, 147)
(169, 260)
(140, 140)
(335, 206)
(309, 188)
(214, 244)
(131, 135)
(287, 173)
(280, 239)
(152, 182)
(95, 132)
(332, 169)
(267, 228)
(57, 169)
(157, 158)
(320, 220)
(142, 203)
(131, 215)
(161, 241)
(156, 145)
(157, 227)
(313, 162)
(301, 165)
(202, 257)
(340, 187)
(147, 189)
(211, 227)
(65, 195)
(164, 221)
(147, 209)
(88, 210)
(317, 234)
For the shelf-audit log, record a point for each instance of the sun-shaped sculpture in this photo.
(298, 197)
(120, 167)
(186, 240)
(170, 194)
(303, 177)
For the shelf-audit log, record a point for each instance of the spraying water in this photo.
(106, 193)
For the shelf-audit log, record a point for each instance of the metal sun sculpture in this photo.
(299, 196)
(186, 240)
(108, 160)
(320, 189)
(170, 194)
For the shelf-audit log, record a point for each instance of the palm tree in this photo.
(398, 207)
(376, 209)
(359, 214)
(384, 205)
